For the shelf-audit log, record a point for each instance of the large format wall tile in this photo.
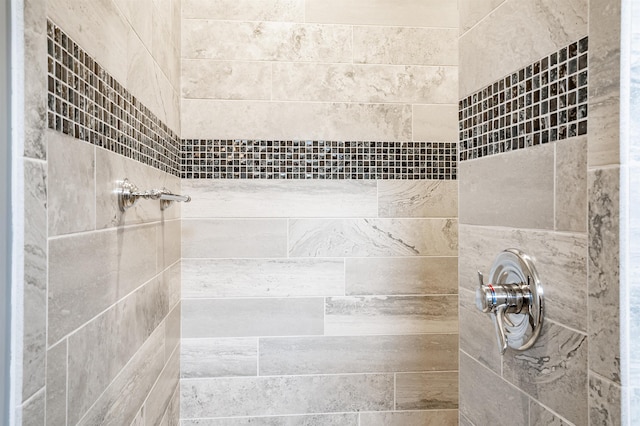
(57, 385)
(309, 420)
(279, 198)
(372, 237)
(477, 332)
(359, 354)
(540, 416)
(203, 278)
(423, 198)
(252, 317)
(605, 403)
(218, 357)
(435, 123)
(571, 185)
(474, 11)
(426, 391)
(286, 395)
(391, 315)
(203, 78)
(411, 418)
(244, 10)
(160, 395)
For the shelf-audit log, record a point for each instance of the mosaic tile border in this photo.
(85, 102)
(261, 159)
(540, 103)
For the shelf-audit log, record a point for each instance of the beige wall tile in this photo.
(222, 357)
(295, 120)
(212, 79)
(279, 198)
(401, 275)
(252, 317)
(228, 238)
(473, 11)
(420, 198)
(208, 278)
(435, 123)
(172, 329)
(161, 393)
(309, 420)
(266, 41)
(364, 83)
(137, 14)
(372, 237)
(406, 46)
(426, 391)
(519, 195)
(409, 13)
(390, 315)
(571, 185)
(360, 354)
(244, 10)
(168, 238)
(411, 418)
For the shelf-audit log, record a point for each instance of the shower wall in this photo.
(102, 288)
(542, 177)
(314, 293)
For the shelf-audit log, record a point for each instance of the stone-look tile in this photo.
(246, 396)
(604, 273)
(160, 396)
(477, 333)
(571, 185)
(97, 268)
(265, 41)
(172, 279)
(310, 420)
(364, 83)
(604, 83)
(279, 198)
(251, 317)
(418, 198)
(435, 122)
(172, 414)
(540, 416)
(554, 371)
(107, 42)
(166, 33)
(169, 241)
(520, 195)
(137, 14)
(71, 173)
(473, 11)
(464, 421)
(120, 402)
(411, 418)
(204, 278)
(218, 357)
(527, 30)
(476, 382)
(561, 259)
(57, 384)
(231, 238)
(172, 327)
(35, 279)
(401, 275)
(213, 79)
(244, 10)
(604, 402)
(407, 46)
(295, 120)
(139, 419)
(426, 391)
(360, 354)
(412, 13)
(390, 315)
(110, 341)
(372, 237)
(34, 69)
(33, 410)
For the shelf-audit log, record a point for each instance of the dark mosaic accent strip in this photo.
(541, 103)
(262, 159)
(85, 102)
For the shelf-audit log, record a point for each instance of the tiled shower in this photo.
(351, 165)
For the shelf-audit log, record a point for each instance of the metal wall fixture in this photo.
(129, 194)
(515, 298)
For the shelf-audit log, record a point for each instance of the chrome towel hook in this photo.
(128, 195)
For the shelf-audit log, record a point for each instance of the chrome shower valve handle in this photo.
(514, 297)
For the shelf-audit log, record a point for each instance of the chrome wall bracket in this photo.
(128, 195)
(515, 298)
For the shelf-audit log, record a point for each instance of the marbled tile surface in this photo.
(244, 10)
(364, 83)
(279, 198)
(401, 275)
(604, 273)
(213, 79)
(161, 393)
(477, 333)
(224, 357)
(605, 402)
(554, 371)
(204, 278)
(435, 123)
(411, 418)
(231, 238)
(463, 420)
(245, 396)
(571, 185)
(252, 317)
(309, 420)
(358, 354)
(57, 384)
(373, 315)
(423, 198)
(426, 391)
(172, 329)
(372, 237)
(473, 11)
(540, 416)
